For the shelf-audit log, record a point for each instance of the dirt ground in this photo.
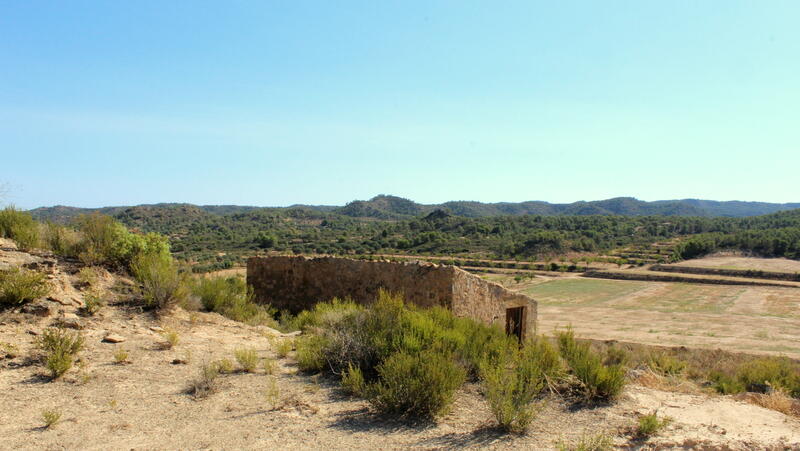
(144, 404)
(739, 262)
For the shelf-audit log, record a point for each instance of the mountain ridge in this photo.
(388, 207)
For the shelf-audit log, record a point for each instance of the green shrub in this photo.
(107, 242)
(780, 373)
(247, 358)
(309, 353)
(163, 285)
(60, 348)
(19, 285)
(725, 384)
(20, 227)
(419, 385)
(650, 425)
(512, 386)
(232, 298)
(353, 381)
(599, 382)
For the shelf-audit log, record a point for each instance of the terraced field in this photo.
(736, 318)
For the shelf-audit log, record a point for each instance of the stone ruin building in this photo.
(297, 283)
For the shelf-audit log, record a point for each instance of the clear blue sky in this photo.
(275, 103)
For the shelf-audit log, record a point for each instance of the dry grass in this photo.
(776, 400)
(651, 379)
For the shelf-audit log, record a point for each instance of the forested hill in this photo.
(210, 239)
(393, 208)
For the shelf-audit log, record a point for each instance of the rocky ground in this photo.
(144, 404)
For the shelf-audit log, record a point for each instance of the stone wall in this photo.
(297, 283)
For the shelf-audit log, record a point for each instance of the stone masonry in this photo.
(297, 283)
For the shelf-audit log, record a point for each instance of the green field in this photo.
(575, 291)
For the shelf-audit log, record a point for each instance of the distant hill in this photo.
(387, 207)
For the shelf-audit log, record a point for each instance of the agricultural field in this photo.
(743, 263)
(762, 320)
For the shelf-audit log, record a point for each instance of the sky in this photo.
(274, 103)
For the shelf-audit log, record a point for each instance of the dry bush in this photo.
(172, 339)
(283, 347)
(224, 366)
(120, 356)
(206, 383)
(88, 276)
(270, 366)
(776, 400)
(650, 379)
(247, 358)
(51, 417)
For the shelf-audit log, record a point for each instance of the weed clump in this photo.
(19, 285)
(649, 425)
(60, 348)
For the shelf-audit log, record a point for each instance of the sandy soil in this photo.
(144, 404)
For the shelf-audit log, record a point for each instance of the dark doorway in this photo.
(515, 324)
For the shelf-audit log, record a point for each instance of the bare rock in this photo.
(157, 329)
(71, 321)
(113, 338)
(61, 299)
(38, 308)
